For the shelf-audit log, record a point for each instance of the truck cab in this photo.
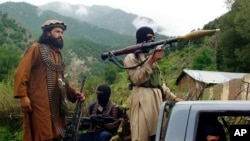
(181, 121)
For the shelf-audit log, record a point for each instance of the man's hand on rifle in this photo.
(113, 125)
(80, 96)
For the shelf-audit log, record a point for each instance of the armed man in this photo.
(148, 89)
(42, 100)
(99, 111)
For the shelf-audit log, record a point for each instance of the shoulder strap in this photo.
(93, 108)
(114, 111)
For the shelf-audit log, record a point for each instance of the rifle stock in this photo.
(145, 46)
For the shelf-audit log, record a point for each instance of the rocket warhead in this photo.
(197, 34)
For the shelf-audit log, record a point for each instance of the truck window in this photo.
(224, 125)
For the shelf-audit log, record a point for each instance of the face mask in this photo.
(103, 93)
(103, 100)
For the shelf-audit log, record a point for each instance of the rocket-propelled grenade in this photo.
(197, 34)
(151, 45)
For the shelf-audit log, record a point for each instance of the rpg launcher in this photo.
(151, 45)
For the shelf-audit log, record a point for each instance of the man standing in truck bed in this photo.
(148, 89)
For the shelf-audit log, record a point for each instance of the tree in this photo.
(229, 3)
(243, 58)
(110, 74)
(242, 18)
(234, 38)
(9, 59)
(204, 60)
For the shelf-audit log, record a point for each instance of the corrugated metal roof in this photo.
(213, 76)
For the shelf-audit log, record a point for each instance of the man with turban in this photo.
(37, 84)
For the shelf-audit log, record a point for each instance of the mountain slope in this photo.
(102, 16)
(32, 18)
(13, 39)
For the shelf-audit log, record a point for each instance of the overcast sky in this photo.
(178, 17)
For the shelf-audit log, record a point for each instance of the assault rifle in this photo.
(152, 45)
(73, 126)
(96, 121)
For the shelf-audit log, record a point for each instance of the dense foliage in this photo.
(233, 44)
(32, 18)
(13, 39)
(224, 51)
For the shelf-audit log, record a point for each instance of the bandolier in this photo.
(51, 66)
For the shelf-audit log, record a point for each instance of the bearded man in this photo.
(41, 87)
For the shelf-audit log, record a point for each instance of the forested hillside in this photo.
(234, 42)
(32, 18)
(13, 40)
(224, 51)
(227, 50)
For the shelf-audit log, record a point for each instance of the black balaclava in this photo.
(103, 93)
(141, 34)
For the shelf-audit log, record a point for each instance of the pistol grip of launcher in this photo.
(159, 47)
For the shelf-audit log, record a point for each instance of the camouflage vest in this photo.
(155, 80)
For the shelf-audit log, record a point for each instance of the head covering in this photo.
(141, 34)
(49, 24)
(210, 129)
(206, 129)
(103, 93)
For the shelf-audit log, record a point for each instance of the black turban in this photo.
(141, 34)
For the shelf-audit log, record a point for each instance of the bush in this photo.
(7, 135)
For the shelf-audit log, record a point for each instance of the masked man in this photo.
(102, 108)
(148, 89)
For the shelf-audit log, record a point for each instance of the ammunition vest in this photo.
(110, 110)
(155, 80)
